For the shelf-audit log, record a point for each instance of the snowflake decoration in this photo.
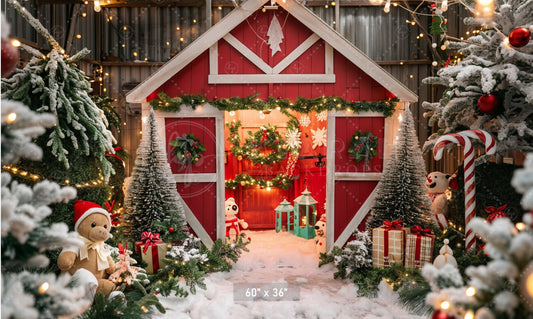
(305, 120)
(320, 137)
(293, 139)
(322, 116)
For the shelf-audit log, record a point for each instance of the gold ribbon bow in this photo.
(101, 252)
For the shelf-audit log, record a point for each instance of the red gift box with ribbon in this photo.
(388, 243)
(153, 250)
(419, 247)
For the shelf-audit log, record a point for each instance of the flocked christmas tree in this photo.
(502, 287)
(152, 195)
(492, 87)
(400, 193)
(27, 293)
(74, 149)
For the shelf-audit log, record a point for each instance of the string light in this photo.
(386, 9)
(43, 288)
(97, 7)
(11, 117)
(445, 305)
(16, 43)
(470, 291)
(520, 226)
(469, 315)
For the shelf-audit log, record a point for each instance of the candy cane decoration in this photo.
(463, 138)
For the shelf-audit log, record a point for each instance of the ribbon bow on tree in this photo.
(148, 239)
(419, 231)
(496, 212)
(116, 148)
(395, 224)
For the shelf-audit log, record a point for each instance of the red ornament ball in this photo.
(519, 37)
(438, 314)
(171, 229)
(488, 103)
(10, 58)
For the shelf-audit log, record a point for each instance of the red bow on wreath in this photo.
(264, 137)
(419, 231)
(148, 239)
(395, 224)
(496, 213)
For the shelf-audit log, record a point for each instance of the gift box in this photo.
(388, 243)
(419, 247)
(153, 250)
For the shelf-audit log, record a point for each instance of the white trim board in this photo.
(356, 220)
(196, 178)
(356, 176)
(196, 226)
(237, 16)
(330, 182)
(270, 78)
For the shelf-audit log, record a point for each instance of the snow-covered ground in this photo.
(282, 258)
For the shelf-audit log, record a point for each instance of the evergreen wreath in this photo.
(363, 146)
(188, 149)
(265, 138)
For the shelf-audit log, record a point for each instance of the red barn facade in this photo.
(233, 58)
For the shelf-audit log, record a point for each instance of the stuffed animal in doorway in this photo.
(320, 238)
(437, 183)
(93, 224)
(232, 222)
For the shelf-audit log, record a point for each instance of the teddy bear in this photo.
(437, 183)
(232, 222)
(93, 224)
(320, 238)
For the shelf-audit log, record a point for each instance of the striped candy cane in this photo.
(463, 138)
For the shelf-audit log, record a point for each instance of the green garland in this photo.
(188, 149)
(301, 105)
(244, 179)
(363, 146)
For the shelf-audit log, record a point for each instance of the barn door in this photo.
(201, 185)
(350, 185)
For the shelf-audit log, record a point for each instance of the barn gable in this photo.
(238, 42)
(234, 59)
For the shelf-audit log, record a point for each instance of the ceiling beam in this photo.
(200, 3)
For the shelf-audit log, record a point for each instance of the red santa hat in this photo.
(323, 218)
(83, 208)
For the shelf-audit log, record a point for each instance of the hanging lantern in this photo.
(284, 208)
(305, 215)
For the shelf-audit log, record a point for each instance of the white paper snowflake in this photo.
(322, 116)
(293, 139)
(275, 35)
(305, 120)
(320, 137)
